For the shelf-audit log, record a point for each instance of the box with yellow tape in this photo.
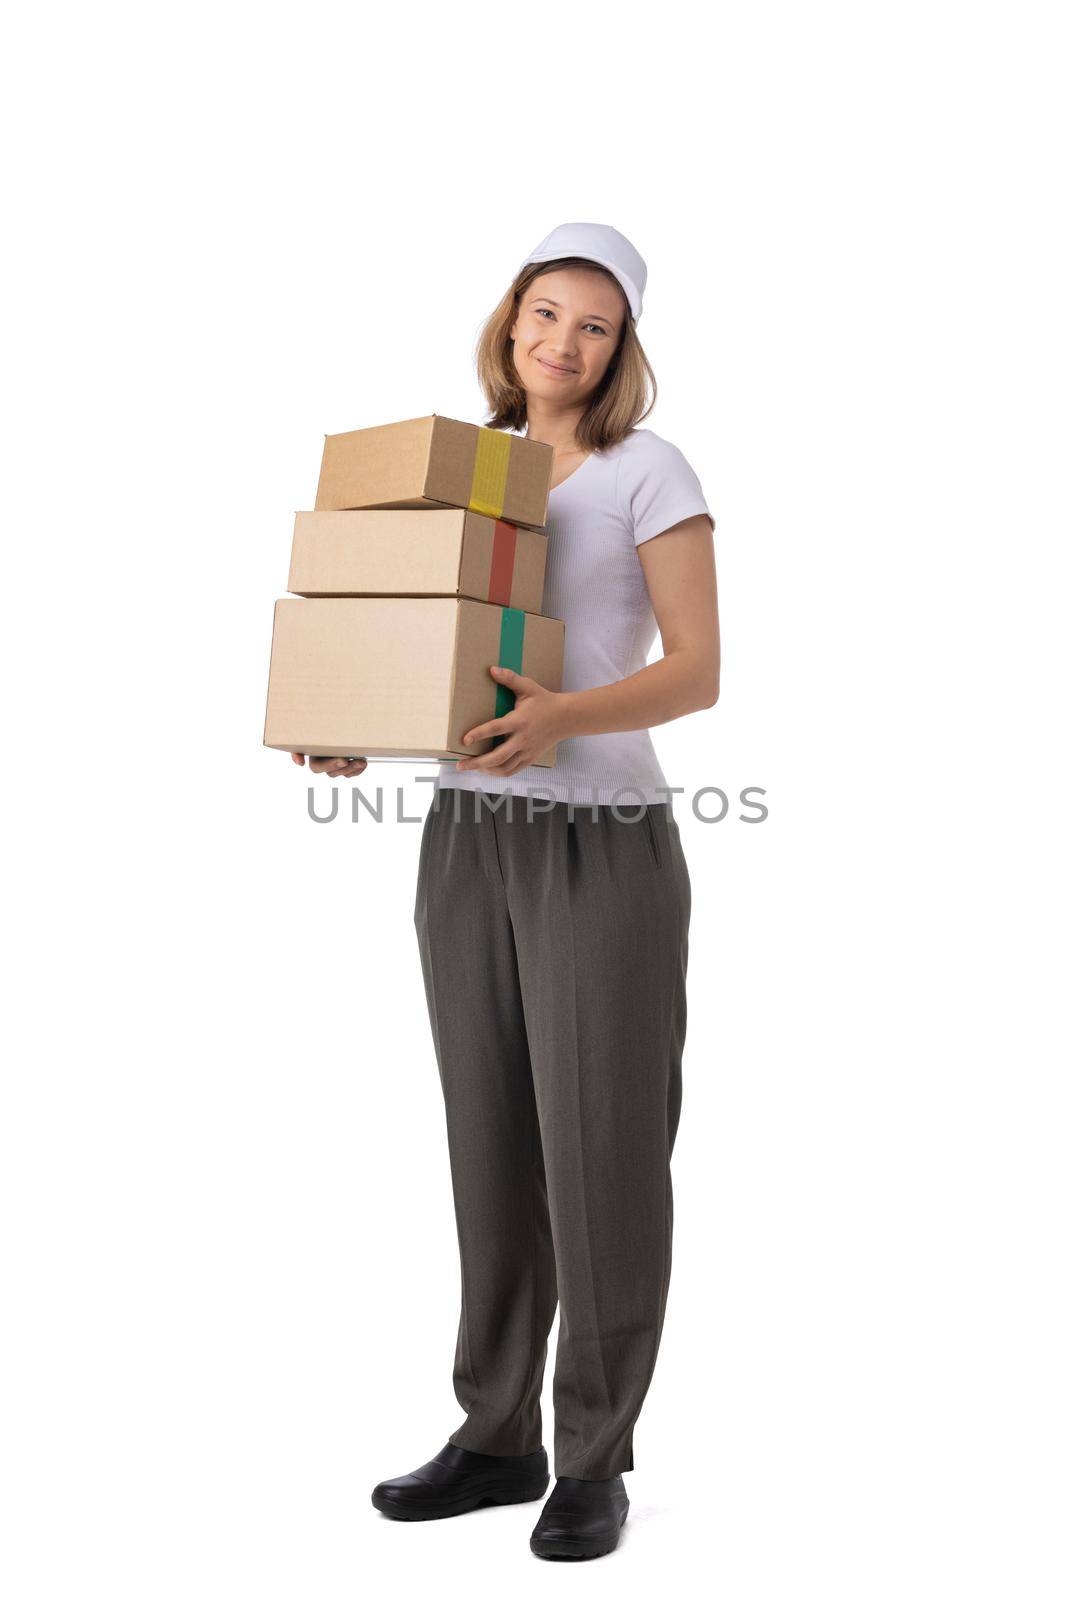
(437, 461)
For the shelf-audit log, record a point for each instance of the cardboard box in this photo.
(386, 676)
(418, 552)
(436, 461)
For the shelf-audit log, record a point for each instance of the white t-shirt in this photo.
(595, 584)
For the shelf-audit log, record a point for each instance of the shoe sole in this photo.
(474, 1500)
(573, 1549)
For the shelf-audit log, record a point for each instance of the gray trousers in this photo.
(554, 955)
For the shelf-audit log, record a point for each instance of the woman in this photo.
(553, 926)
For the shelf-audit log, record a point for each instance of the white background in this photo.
(228, 1243)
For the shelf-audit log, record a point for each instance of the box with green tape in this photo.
(426, 462)
(398, 676)
(447, 552)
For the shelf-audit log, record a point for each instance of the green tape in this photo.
(512, 628)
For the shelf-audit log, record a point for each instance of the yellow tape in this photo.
(490, 472)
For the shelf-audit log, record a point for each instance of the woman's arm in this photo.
(679, 567)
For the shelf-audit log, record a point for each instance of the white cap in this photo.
(595, 241)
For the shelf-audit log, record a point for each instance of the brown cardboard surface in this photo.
(394, 676)
(426, 462)
(447, 552)
(477, 644)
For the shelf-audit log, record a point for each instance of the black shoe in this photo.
(459, 1480)
(582, 1517)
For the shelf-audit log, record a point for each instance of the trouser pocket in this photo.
(651, 826)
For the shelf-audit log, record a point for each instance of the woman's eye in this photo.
(595, 325)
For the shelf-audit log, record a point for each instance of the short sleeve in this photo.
(657, 487)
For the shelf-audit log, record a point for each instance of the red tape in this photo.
(502, 565)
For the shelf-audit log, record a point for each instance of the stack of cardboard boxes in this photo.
(422, 564)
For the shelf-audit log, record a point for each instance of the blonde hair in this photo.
(619, 403)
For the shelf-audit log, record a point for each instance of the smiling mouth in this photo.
(553, 368)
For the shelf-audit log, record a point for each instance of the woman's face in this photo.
(568, 326)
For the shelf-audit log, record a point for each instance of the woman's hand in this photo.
(334, 766)
(536, 722)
